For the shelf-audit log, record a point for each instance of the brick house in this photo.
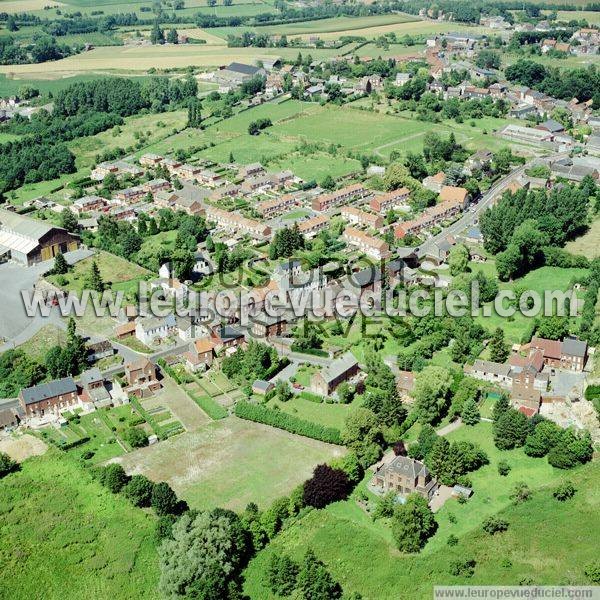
(200, 355)
(51, 397)
(342, 369)
(405, 476)
(140, 371)
(569, 354)
(265, 326)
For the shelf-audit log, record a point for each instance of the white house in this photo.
(150, 329)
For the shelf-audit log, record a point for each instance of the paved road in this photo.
(470, 216)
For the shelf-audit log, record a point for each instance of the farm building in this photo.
(31, 241)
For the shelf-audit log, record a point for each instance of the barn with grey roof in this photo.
(30, 241)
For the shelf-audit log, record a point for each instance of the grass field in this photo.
(154, 127)
(547, 541)
(231, 462)
(46, 82)
(48, 336)
(61, 531)
(329, 415)
(587, 244)
(539, 280)
(141, 58)
(113, 269)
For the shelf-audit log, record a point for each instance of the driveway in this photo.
(441, 496)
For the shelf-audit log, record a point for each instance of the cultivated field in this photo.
(18, 6)
(231, 462)
(62, 533)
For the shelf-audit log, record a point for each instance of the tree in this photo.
(362, 434)
(135, 437)
(314, 580)
(542, 439)
(7, 465)
(345, 392)
(157, 35)
(430, 392)
(114, 478)
(282, 573)
(283, 391)
(328, 183)
(500, 407)
(458, 259)
(470, 413)
(413, 524)
(499, 349)
(327, 485)
(194, 113)
(172, 36)
(60, 264)
(553, 328)
(510, 430)
(571, 450)
(139, 490)
(68, 220)
(164, 501)
(204, 555)
(74, 354)
(488, 59)
(94, 279)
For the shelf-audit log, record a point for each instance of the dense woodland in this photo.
(82, 109)
(520, 227)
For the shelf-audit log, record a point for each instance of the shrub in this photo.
(521, 493)
(503, 468)
(7, 465)
(494, 525)
(452, 540)
(463, 567)
(592, 571)
(564, 491)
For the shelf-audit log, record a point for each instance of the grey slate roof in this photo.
(58, 387)
(90, 376)
(339, 367)
(573, 347)
(237, 67)
(408, 467)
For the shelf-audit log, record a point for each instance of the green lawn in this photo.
(547, 541)
(329, 415)
(61, 530)
(115, 271)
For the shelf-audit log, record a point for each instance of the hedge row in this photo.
(74, 443)
(283, 420)
(213, 409)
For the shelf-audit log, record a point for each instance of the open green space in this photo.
(329, 415)
(114, 270)
(62, 531)
(231, 462)
(546, 541)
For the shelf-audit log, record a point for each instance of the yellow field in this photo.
(18, 6)
(160, 57)
(203, 34)
(400, 29)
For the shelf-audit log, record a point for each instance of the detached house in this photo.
(342, 369)
(200, 355)
(405, 476)
(150, 329)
